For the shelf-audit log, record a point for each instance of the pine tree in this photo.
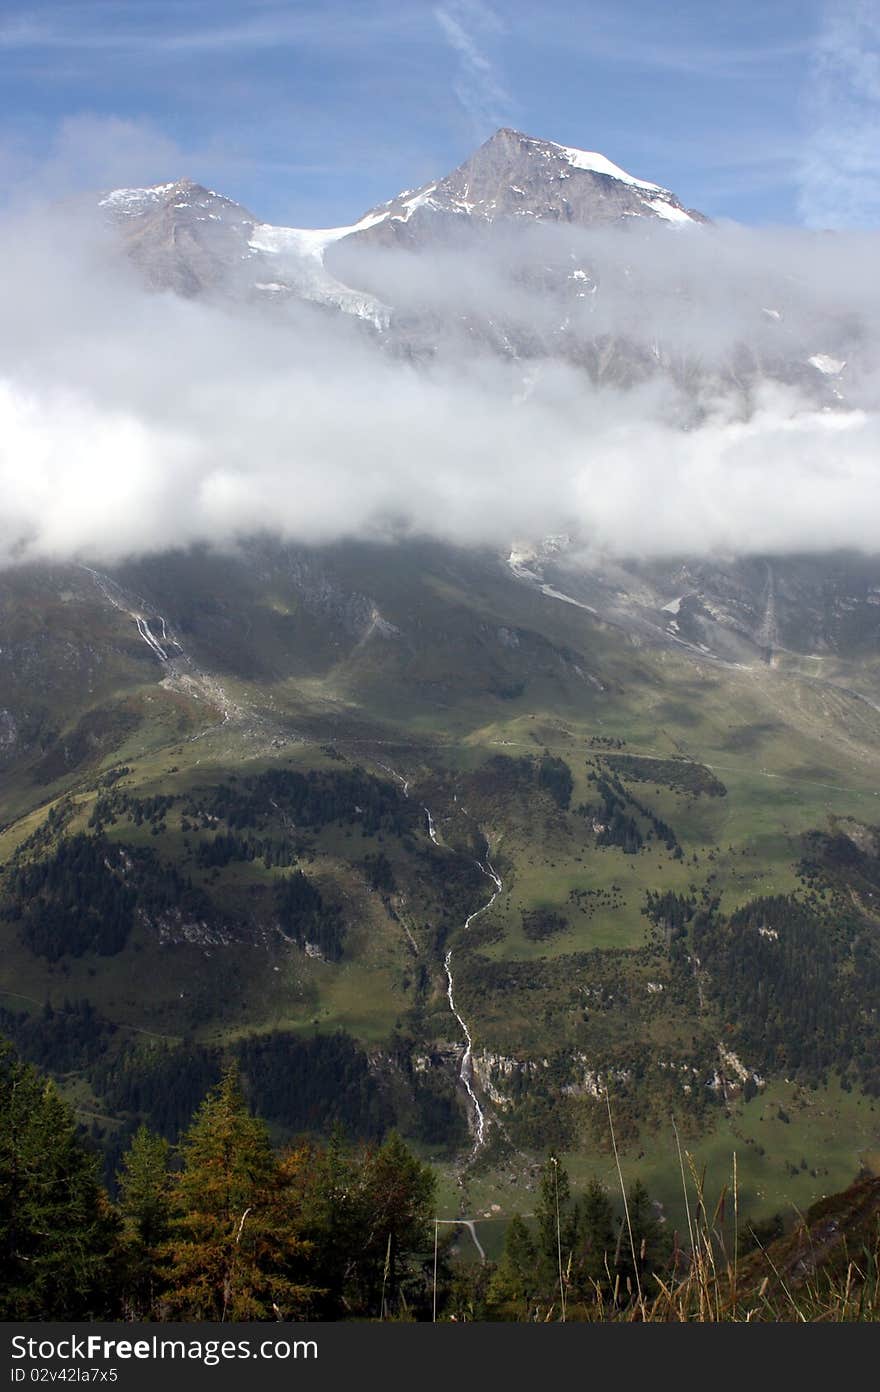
(515, 1282)
(557, 1222)
(232, 1248)
(334, 1221)
(398, 1194)
(56, 1225)
(145, 1211)
(645, 1232)
(597, 1218)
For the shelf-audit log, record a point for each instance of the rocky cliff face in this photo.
(194, 241)
(190, 239)
(181, 236)
(518, 177)
(564, 248)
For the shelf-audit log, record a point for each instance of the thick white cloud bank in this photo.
(133, 422)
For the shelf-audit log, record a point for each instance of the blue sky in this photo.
(310, 113)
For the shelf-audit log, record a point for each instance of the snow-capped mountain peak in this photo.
(595, 163)
(181, 194)
(189, 238)
(516, 177)
(192, 240)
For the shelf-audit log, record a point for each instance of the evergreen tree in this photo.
(555, 775)
(145, 1211)
(398, 1194)
(514, 1284)
(56, 1226)
(464, 1288)
(645, 1234)
(597, 1221)
(334, 1221)
(232, 1247)
(557, 1226)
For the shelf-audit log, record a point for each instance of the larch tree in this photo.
(233, 1249)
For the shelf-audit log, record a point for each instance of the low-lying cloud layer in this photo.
(133, 421)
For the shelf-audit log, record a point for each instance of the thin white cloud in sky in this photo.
(391, 93)
(146, 29)
(469, 27)
(840, 175)
(94, 152)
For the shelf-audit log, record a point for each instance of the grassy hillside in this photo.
(656, 816)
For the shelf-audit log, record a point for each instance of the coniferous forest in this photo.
(222, 1226)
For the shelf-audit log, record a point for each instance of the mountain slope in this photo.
(526, 825)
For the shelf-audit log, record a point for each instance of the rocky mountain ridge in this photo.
(560, 249)
(189, 238)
